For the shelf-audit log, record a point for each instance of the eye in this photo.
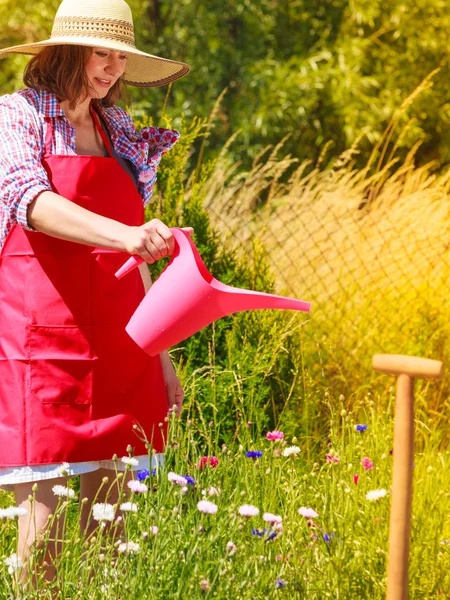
(100, 53)
(123, 57)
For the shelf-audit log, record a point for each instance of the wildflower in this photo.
(269, 534)
(137, 486)
(331, 458)
(61, 490)
(12, 511)
(154, 530)
(280, 583)
(232, 548)
(253, 454)
(142, 475)
(64, 469)
(355, 479)
(13, 563)
(178, 479)
(204, 585)
(103, 512)
(128, 547)
(270, 518)
(247, 510)
(274, 435)
(308, 513)
(376, 494)
(189, 480)
(129, 507)
(129, 460)
(291, 450)
(326, 537)
(367, 463)
(213, 491)
(209, 508)
(361, 427)
(204, 461)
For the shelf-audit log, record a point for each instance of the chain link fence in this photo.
(372, 253)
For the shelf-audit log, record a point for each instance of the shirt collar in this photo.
(49, 105)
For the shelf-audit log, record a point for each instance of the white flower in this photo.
(178, 479)
(376, 494)
(137, 486)
(130, 547)
(129, 507)
(12, 511)
(154, 530)
(308, 513)
(291, 450)
(13, 563)
(232, 548)
(209, 508)
(213, 491)
(61, 490)
(247, 510)
(64, 468)
(129, 460)
(103, 512)
(270, 518)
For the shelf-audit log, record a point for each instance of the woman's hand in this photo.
(174, 391)
(151, 241)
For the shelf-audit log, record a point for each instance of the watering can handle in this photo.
(135, 261)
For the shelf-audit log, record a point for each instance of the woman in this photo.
(74, 178)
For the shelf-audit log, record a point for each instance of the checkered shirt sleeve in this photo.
(22, 176)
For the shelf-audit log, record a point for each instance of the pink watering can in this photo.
(186, 297)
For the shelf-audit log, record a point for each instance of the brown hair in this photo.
(60, 69)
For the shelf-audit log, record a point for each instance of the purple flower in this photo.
(142, 475)
(361, 427)
(268, 534)
(189, 480)
(280, 583)
(253, 454)
(327, 538)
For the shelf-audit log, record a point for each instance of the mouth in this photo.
(106, 83)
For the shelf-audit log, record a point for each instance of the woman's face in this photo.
(103, 69)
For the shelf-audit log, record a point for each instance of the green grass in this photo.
(190, 547)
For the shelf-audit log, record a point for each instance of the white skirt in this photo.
(9, 476)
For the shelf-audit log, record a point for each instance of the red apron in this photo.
(72, 382)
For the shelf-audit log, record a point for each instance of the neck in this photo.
(80, 113)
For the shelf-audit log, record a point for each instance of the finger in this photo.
(167, 238)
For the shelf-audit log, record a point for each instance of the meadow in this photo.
(260, 518)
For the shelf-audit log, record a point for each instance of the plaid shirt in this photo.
(22, 146)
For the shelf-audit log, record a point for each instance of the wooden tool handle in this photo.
(414, 366)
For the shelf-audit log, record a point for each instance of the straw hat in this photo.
(106, 24)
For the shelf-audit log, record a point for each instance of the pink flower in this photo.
(367, 463)
(355, 479)
(308, 513)
(274, 435)
(270, 518)
(212, 461)
(137, 486)
(331, 458)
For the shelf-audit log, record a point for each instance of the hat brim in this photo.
(142, 70)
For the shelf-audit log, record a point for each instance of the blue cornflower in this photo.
(327, 538)
(262, 533)
(280, 583)
(142, 475)
(253, 454)
(361, 427)
(189, 480)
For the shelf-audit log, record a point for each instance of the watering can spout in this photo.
(186, 298)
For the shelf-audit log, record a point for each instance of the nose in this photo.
(115, 66)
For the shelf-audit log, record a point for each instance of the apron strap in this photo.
(48, 136)
(101, 131)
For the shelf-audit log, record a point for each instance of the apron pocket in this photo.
(61, 365)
